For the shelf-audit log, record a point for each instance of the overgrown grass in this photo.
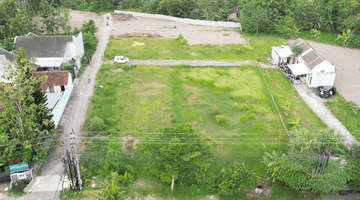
(140, 100)
(348, 115)
(258, 48)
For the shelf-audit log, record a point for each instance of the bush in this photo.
(353, 169)
(96, 124)
(220, 119)
(297, 50)
(248, 117)
(233, 179)
(239, 50)
(18, 187)
(181, 39)
(216, 111)
(223, 48)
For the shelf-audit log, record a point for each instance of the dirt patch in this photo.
(193, 54)
(123, 17)
(164, 51)
(211, 197)
(118, 70)
(129, 35)
(172, 29)
(155, 85)
(126, 142)
(79, 17)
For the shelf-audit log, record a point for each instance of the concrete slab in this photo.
(46, 184)
(317, 105)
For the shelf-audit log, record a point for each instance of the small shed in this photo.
(282, 54)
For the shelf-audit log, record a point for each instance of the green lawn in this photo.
(349, 116)
(141, 100)
(258, 48)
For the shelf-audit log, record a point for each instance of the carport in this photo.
(300, 70)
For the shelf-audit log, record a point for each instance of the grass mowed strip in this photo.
(257, 48)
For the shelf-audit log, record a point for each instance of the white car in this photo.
(121, 59)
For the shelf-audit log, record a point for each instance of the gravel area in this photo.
(171, 29)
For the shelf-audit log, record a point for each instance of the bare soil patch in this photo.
(123, 17)
(127, 35)
(155, 85)
(79, 17)
(172, 29)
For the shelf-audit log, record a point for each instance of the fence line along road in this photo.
(184, 20)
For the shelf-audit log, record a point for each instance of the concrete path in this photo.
(316, 104)
(192, 62)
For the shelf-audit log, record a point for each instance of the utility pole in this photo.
(70, 163)
(77, 168)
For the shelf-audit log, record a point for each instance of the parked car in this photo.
(121, 59)
(326, 91)
(293, 79)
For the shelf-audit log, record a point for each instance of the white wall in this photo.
(323, 75)
(274, 56)
(59, 109)
(79, 45)
(185, 20)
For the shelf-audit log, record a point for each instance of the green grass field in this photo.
(257, 48)
(140, 100)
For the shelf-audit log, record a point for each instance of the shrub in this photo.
(223, 48)
(248, 117)
(220, 119)
(181, 39)
(19, 186)
(216, 111)
(239, 50)
(220, 72)
(233, 179)
(353, 169)
(96, 124)
(297, 50)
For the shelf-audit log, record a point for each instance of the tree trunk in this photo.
(172, 183)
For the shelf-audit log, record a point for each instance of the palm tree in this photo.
(110, 191)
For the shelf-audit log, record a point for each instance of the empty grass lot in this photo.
(258, 48)
(141, 100)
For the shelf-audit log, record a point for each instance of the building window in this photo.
(62, 88)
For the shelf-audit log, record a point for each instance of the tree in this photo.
(89, 27)
(53, 19)
(297, 49)
(294, 30)
(297, 171)
(176, 149)
(26, 132)
(254, 17)
(272, 162)
(233, 179)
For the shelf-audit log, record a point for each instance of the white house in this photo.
(58, 89)
(282, 54)
(313, 68)
(52, 52)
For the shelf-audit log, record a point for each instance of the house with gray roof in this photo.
(6, 59)
(310, 65)
(52, 52)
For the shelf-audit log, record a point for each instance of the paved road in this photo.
(316, 104)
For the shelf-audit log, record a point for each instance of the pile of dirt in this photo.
(126, 35)
(123, 17)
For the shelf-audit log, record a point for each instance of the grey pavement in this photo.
(316, 103)
(192, 62)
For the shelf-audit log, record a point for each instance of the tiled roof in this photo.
(7, 54)
(310, 57)
(304, 47)
(43, 46)
(315, 63)
(295, 42)
(54, 78)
